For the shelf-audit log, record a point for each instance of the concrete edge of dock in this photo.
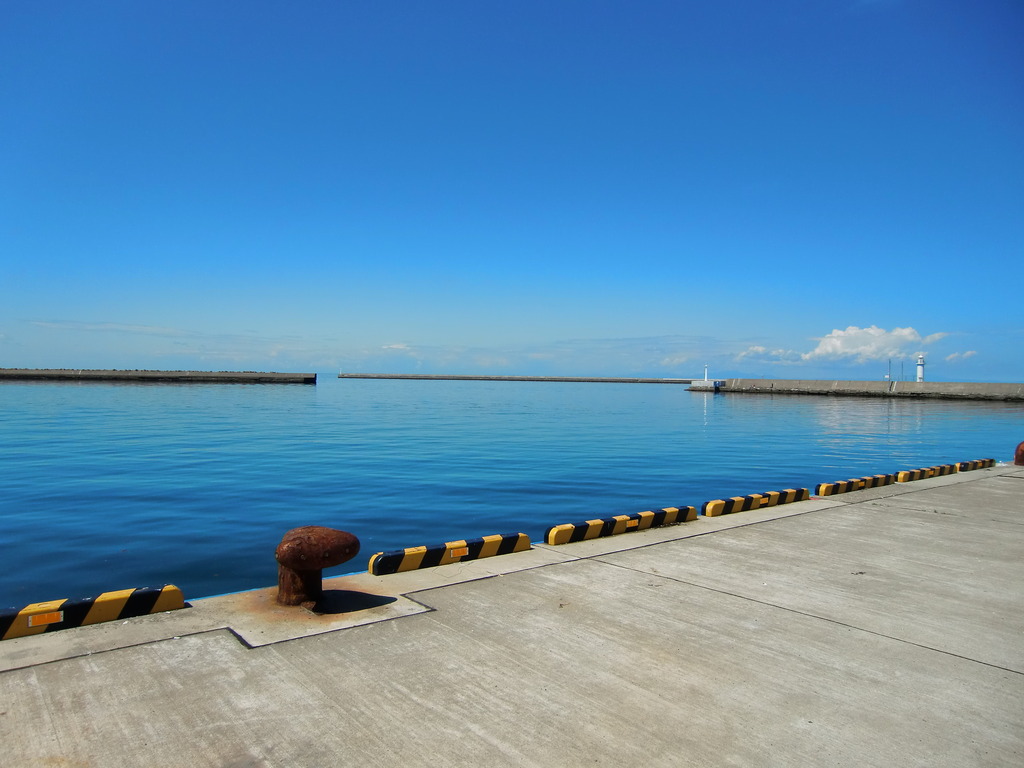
(358, 599)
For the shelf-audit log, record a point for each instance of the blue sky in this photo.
(783, 188)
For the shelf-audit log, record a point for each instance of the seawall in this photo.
(947, 390)
(182, 377)
(432, 377)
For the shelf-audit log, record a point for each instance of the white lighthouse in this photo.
(920, 367)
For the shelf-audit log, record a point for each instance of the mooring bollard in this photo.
(1018, 456)
(303, 554)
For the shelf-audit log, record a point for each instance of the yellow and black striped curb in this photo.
(718, 507)
(52, 615)
(910, 475)
(413, 558)
(856, 484)
(967, 466)
(611, 526)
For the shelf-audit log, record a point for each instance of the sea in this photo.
(107, 486)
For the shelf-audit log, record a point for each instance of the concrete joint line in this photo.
(86, 654)
(808, 615)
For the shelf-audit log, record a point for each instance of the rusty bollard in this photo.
(1018, 456)
(302, 555)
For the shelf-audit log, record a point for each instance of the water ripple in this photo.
(105, 486)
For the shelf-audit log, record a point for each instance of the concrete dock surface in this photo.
(883, 627)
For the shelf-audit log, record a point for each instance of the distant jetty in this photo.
(917, 389)
(929, 389)
(162, 377)
(431, 377)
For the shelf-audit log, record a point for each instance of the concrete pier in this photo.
(932, 389)
(881, 627)
(163, 377)
(448, 377)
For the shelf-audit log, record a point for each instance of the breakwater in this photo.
(928, 389)
(182, 377)
(575, 379)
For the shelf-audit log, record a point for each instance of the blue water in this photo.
(106, 486)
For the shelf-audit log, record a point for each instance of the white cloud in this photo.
(872, 343)
(402, 347)
(758, 353)
(960, 356)
(754, 350)
(672, 360)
